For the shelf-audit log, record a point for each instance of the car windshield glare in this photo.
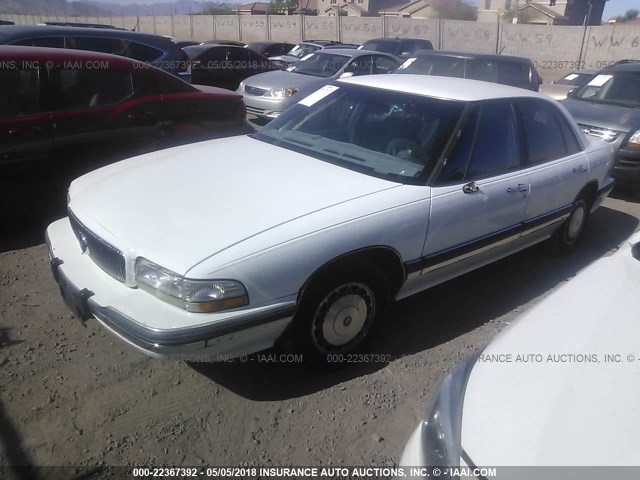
(302, 50)
(320, 65)
(391, 135)
(619, 88)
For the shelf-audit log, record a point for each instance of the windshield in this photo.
(382, 133)
(574, 79)
(384, 46)
(320, 65)
(619, 88)
(434, 65)
(302, 50)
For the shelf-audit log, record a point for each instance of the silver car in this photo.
(559, 89)
(269, 94)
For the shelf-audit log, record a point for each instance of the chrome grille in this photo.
(255, 90)
(602, 133)
(106, 256)
(255, 111)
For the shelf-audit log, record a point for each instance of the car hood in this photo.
(614, 117)
(563, 410)
(283, 79)
(181, 205)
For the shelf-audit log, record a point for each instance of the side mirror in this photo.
(572, 93)
(347, 75)
(405, 54)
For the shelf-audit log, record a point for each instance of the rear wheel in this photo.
(340, 311)
(568, 235)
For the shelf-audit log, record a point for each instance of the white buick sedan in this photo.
(367, 191)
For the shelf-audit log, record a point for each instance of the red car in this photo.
(66, 112)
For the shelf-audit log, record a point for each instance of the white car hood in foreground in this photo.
(181, 205)
(565, 412)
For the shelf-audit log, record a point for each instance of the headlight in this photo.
(201, 296)
(441, 431)
(282, 92)
(241, 86)
(634, 140)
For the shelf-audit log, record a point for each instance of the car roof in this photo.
(15, 52)
(622, 67)
(18, 32)
(470, 56)
(351, 52)
(442, 87)
(397, 39)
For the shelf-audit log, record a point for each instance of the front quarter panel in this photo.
(276, 263)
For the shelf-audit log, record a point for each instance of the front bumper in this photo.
(265, 107)
(151, 325)
(627, 166)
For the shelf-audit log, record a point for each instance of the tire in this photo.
(339, 313)
(565, 239)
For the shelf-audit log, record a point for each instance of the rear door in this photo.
(554, 159)
(480, 194)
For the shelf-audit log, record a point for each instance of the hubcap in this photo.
(575, 223)
(343, 317)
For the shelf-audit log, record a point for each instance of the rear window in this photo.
(434, 65)
(514, 73)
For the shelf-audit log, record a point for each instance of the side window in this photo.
(383, 64)
(218, 54)
(81, 89)
(485, 70)
(496, 149)
(542, 131)
(20, 92)
(255, 57)
(361, 65)
(455, 167)
(141, 52)
(514, 73)
(238, 55)
(96, 44)
(51, 42)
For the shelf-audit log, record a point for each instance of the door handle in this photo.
(470, 188)
(522, 188)
(580, 169)
(140, 115)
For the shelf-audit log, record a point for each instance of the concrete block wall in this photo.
(554, 49)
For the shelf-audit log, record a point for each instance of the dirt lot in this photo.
(73, 394)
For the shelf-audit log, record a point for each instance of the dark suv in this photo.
(514, 71)
(608, 107)
(154, 49)
(400, 47)
(65, 112)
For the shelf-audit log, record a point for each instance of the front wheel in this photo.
(340, 311)
(567, 236)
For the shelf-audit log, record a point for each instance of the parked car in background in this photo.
(224, 66)
(559, 89)
(508, 70)
(66, 112)
(608, 107)
(87, 25)
(301, 50)
(523, 400)
(400, 47)
(225, 42)
(270, 94)
(152, 49)
(186, 43)
(370, 189)
(271, 49)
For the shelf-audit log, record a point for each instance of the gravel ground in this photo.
(73, 394)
